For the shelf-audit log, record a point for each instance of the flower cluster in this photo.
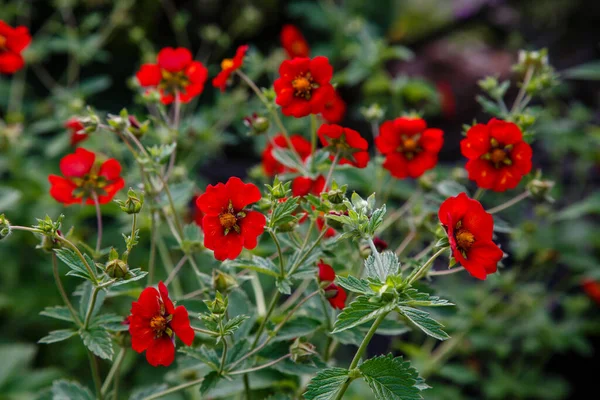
(12, 43)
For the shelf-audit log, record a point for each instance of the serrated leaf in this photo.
(297, 327)
(85, 292)
(354, 285)
(234, 323)
(381, 268)
(326, 384)
(204, 354)
(391, 378)
(210, 381)
(376, 219)
(58, 336)
(142, 393)
(72, 261)
(283, 212)
(413, 298)
(69, 390)
(58, 312)
(424, 322)
(284, 285)
(132, 276)
(107, 319)
(98, 341)
(259, 264)
(359, 312)
(287, 158)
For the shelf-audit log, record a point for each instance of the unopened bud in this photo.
(219, 305)
(136, 128)
(116, 268)
(223, 282)
(301, 351)
(373, 113)
(4, 227)
(257, 124)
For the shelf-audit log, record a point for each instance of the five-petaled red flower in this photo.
(469, 228)
(228, 225)
(409, 147)
(293, 42)
(83, 179)
(498, 156)
(12, 42)
(302, 185)
(77, 131)
(347, 143)
(270, 164)
(174, 73)
(303, 87)
(228, 66)
(334, 109)
(335, 295)
(153, 323)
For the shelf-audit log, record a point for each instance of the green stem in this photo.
(276, 241)
(479, 193)
(336, 158)
(224, 355)
(359, 352)
(113, 370)
(95, 374)
(62, 291)
(88, 314)
(174, 389)
(425, 267)
(81, 257)
(313, 139)
(172, 205)
(152, 260)
(517, 104)
(99, 222)
(267, 365)
(509, 203)
(263, 324)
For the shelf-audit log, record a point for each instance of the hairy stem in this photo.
(336, 158)
(62, 291)
(425, 267)
(95, 374)
(99, 222)
(174, 389)
(509, 203)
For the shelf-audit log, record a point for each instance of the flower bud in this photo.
(336, 196)
(538, 60)
(136, 128)
(301, 351)
(4, 227)
(133, 204)
(373, 113)
(488, 84)
(539, 189)
(257, 124)
(223, 282)
(116, 268)
(219, 305)
(427, 180)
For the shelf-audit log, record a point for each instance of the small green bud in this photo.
(133, 204)
(4, 227)
(373, 113)
(223, 282)
(488, 84)
(427, 180)
(301, 351)
(219, 305)
(540, 189)
(136, 128)
(116, 268)
(257, 124)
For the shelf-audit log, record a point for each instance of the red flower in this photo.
(174, 73)
(336, 296)
(592, 289)
(293, 42)
(83, 178)
(469, 230)
(152, 325)
(351, 147)
(326, 272)
(77, 131)
(409, 147)
(321, 224)
(303, 86)
(301, 186)
(228, 66)
(498, 156)
(12, 42)
(334, 109)
(197, 213)
(228, 225)
(273, 167)
(380, 244)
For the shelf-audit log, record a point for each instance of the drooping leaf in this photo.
(233, 324)
(361, 311)
(326, 384)
(210, 381)
(69, 390)
(391, 378)
(58, 336)
(98, 341)
(58, 312)
(423, 321)
(204, 354)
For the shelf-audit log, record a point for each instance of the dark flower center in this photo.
(89, 183)
(227, 220)
(499, 155)
(303, 86)
(3, 41)
(158, 323)
(464, 239)
(226, 63)
(173, 82)
(410, 146)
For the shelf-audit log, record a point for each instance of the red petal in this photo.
(355, 140)
(505, 132)
(181, 325)
(148, 304)
(521, 157)
(220, 81)
(409, 126)
(326, 272)
(62, 190)
(111, 190)
(397, 164)
(161, 352)
(164, 295)
(110, 169)
(483, 173)
(252, 226)
(10, 62)
(149, 75)
(142, 335)
(432, 140)
(321, 70)
(77, 164)
(174, 60)
(297, 107)
(241, 194)
(453, 209)
(477, 142)
(17, 39)
(421, 163)
(388, 140)
(214, 200)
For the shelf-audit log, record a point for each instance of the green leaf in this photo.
(391, 378)
(326, 384)
(234, 323)
(256, 263)
(210, 381)
(297, 327)
(413, 298)
(57, 312)
(590, 205)
(283, 212)
(105, 320)
(354, 285)
(69, 390)
(15, 359)
(143, 392)
(204, 354)
(589, 71)
(132, 276)
(85, 292)
(284, 285)
(388, 266)
(424, 322)
(58, 336)
(72, 261)
(97, 340)
(287, 158)
(359, 312)
(449, 188)
(376, 219)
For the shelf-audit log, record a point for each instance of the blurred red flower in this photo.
(469, 228)
(303, 87)
(302, 185)
(77, 131)
(335, 295)
(153, 323)
(83, 179)
(321, 225)
(592, 289)
(335, 109)
(409, 147)
(498, 156)
(228, 66)
(228, 225)
(293, 42)
(12, 42)
(347, 143)
(326, 272)
(174, 73)
(273, 167)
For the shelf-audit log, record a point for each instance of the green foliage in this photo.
(424, 322)
(360, 311)
(58, 336)
(98, 341)
(326, 384)
(68, 390)
(391, 378)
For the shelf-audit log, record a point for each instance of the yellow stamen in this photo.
(464, 239)
(158, 324)
(497, 156)
(410, 144)
(226, 63)
(227, 220)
